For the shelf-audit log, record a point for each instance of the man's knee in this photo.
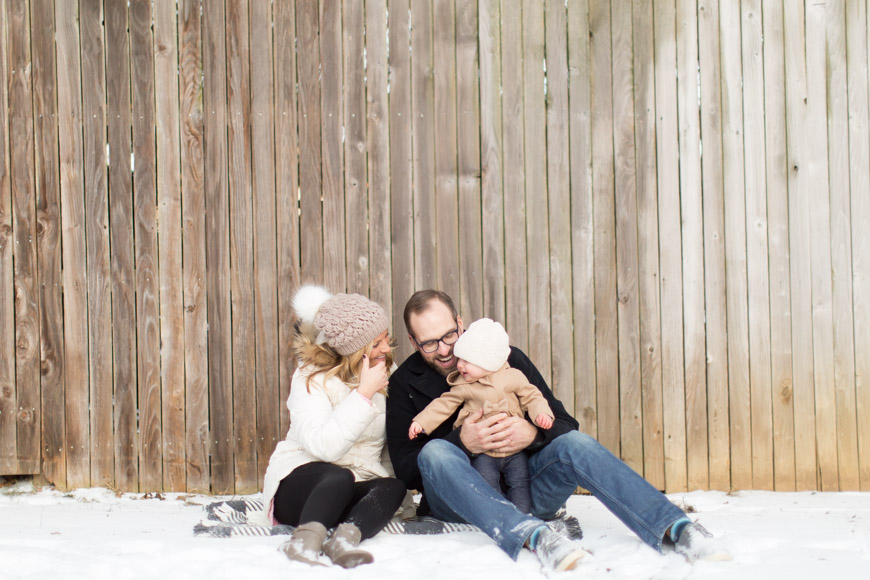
(434, 452)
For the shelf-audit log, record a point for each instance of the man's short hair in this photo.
(419, 302)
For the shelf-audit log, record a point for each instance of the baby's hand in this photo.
(414, 430)
(544, 421)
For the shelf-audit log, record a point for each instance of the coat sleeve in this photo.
(532, 402)
(564, 422)
(440, 409)
(324, 431)
(403, 451)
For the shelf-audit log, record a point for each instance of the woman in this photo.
(328, 472)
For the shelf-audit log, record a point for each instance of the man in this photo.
(560, 458)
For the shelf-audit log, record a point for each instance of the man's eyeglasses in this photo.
(431, 346)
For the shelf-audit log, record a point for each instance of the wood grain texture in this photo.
(492, 167)
(167, 122)
(193, 232)
(857, 48)
(401, 184)
(335, 266)
(76, 447)
(626, 210)
(244, 380)
(714, 245)
(48, 231)
(222, 441)
(670, 245)
(265, 242)
(692, 220)
(287, 195)
(582, 226)
(122, 257)
(515, 250)
(468, 146)
(736, 283)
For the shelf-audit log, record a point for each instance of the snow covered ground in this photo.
(94, 534)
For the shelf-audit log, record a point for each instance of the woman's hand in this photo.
(372, 379)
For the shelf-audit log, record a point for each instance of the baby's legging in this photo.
(326, 493)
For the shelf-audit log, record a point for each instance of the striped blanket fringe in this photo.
(226, 519)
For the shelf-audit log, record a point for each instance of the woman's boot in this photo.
(341, 547)
(305, 543)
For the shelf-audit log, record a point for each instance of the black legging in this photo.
(326, 493)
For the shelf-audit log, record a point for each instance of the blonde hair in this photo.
(323, 359)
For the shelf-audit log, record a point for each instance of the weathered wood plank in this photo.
(97, 228)
(447, 208)
(22, 173)
(537, 197)
(193, 232)
(626, 232)
(857, 47)
(582, 226)
(217, 249)
(604, 224)
(492, 168)
(401, 179)
(356, 194)
(648, 293)
(311, 233)
(799, 249)
(8, 436)
(74, 242)
(667, 140)
(241, 245)
(169, 206)
(123, 287)
(558, 183)
(335, 264)
(736, 284)
(265, 216)
(468, 145)
(820, 248)
(287, 190)
(377, 145)
(837, 113)
(514, 250)
(755, 178)
(692, 219)
(777, 204)
(48, 230)
(714, 245)
(423, 145)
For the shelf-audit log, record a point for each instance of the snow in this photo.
(95, 534)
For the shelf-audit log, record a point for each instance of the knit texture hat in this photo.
(485, 344)
(346, 322)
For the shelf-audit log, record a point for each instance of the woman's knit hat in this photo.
(346, 322)
(485, 344)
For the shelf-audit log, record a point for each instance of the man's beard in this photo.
(442, 370)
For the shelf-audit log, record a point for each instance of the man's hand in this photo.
(496, 433)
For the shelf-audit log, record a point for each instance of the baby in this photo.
(484, 380)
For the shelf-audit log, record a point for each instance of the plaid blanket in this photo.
(225, 519)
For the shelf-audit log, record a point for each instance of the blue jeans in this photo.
(456, 491)
(515, 469)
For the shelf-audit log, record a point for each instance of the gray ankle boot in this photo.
(341, 547)
(305, 543)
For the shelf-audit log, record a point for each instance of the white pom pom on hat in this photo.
(484, 343)
(308, 300)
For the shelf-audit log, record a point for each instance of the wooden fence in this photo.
(662, 200)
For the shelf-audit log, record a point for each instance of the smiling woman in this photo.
(328, 471)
